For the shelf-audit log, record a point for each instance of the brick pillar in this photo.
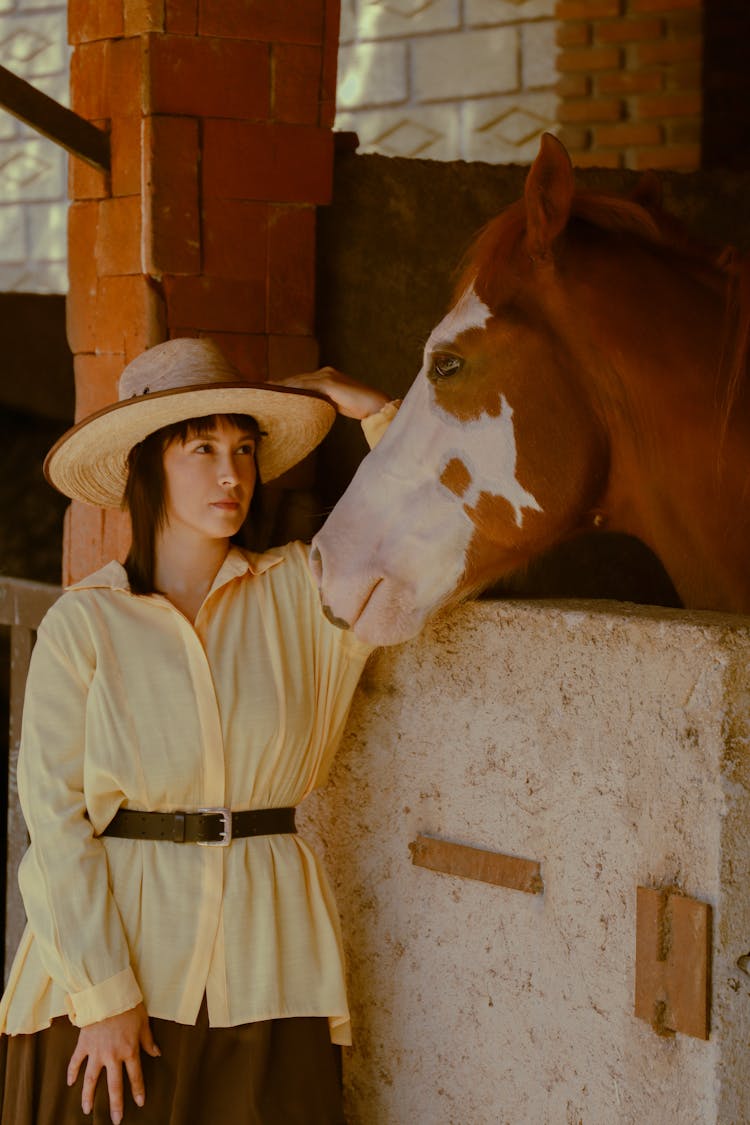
(630, 82)
(220, 116)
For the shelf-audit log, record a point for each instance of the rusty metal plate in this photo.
(476, 863)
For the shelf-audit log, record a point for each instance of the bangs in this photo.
(200, 427)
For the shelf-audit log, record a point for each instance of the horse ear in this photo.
(549, 196)
(648, 192)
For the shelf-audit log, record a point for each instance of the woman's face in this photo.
(210, 481)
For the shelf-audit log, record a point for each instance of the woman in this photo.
(192, 697)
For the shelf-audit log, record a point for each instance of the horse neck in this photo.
(678, 477)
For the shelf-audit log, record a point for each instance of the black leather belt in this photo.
(210, 827)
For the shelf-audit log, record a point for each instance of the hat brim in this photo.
(90, 461)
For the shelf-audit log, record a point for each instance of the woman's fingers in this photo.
(147, 1041)
(114, 1087)
(135, 1074)
(75, 1064)
(90, 1076)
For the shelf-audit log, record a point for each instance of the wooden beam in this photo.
(53, 120)
(476, 863)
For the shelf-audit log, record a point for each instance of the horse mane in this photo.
(651, 226)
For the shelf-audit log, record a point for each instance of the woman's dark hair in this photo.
(145, 492)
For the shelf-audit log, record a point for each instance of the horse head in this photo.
(504, 446)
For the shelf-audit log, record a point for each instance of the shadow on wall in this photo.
(388, 251)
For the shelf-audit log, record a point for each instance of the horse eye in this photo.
(443, 366)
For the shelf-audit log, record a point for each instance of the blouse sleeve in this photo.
(64, 876)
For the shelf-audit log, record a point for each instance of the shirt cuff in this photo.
(115, 995)
(375, 425)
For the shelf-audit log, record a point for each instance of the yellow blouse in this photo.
(128, 704)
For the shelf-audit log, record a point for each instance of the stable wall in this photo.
(610, 744)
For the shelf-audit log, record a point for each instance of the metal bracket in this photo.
(673, 962)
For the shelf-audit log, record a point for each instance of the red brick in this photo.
(628, 31)
(82, 543)
(216, 304)
(680, 158)
(573, 34)
(144, 15)
(94, 19)
(291, 270)
(84, 181)
(685, 23)
(282, 163)
(574, 138)
(626, 134)
(206, 77)
(573, 86)
(130, 315)
(125, 76)
(118, 239)
(89, 66)
(587, 9)
(80, 305)
(681, 50)
(96, 379)
(597, 159)
(629, 82)
(670, 105)
(588, 59)
(92, 537)
(275, 21)
(249, 354)
(331, 23)
(295, 89)
(125, 137)
(590, 109)
(684, 130)
(664, 5)
(291, 355)
(171, 208)
(116, 536)
(684, 76)
(235, 239)
(182, 17)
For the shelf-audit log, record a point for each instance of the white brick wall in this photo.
(448, 79)
(33, 189)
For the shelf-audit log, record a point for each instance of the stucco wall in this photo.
(610, 744)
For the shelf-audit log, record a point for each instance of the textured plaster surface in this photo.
(610, 744)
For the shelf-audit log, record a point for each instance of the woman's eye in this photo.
(443, 366)
(248, 447)
(204, 447)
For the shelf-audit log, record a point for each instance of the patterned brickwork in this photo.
(448, 80)
(630, 82)
(32, 169)
(220, 117)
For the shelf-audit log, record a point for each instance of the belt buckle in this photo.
(226, 828)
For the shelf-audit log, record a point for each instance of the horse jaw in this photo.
(395, 548)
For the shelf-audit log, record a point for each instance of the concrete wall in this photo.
(447, 80)
(610, 744)
(33, 187)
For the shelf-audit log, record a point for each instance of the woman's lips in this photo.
(226, 505)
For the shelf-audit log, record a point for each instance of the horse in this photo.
(589, 375)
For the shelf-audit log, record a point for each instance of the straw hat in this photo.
(181, 379)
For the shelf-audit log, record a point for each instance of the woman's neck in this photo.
(185, 567)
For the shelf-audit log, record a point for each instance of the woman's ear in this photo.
(549, 196)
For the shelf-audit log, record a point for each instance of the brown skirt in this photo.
(277, 1072)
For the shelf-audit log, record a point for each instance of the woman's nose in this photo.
(228, 473)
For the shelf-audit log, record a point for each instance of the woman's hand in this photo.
(353, 399)
(106, 1045)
